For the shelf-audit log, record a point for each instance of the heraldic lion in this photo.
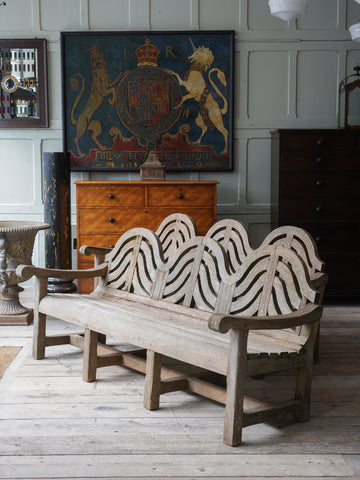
(100, 88)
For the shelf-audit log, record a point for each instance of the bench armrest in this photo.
(89, 250)
(319, 280)
(98, 252)
(27, 271)
(310, 313)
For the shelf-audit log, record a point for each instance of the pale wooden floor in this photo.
(53, 425)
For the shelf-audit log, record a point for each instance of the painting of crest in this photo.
(128, 93)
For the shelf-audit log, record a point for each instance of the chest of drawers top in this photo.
(145, 194)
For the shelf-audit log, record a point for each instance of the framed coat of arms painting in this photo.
(128, 93)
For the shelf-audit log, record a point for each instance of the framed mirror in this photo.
(23, 84)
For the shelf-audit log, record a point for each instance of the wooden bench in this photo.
(192, 307)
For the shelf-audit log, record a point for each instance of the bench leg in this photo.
(39, 334)
(317, 347)
(236, 377)
(90, 355)
(39, 331)
(152, 380)
(303, 390)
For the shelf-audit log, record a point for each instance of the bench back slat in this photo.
(299, 240)
(273, 280)
(134, 262)
(234, 238)
(175, 230)
(194, 275)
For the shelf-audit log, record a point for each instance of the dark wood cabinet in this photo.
(316, 186)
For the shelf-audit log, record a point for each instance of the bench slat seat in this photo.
(154, 324)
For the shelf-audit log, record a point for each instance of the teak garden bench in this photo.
(191, 306)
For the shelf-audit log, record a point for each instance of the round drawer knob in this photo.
(319, 160)
(317, 239)
(111, 196)
(320, 141)
(319, 183)
(181, 196)
(318, 209)
(111, 246)
(112, 220)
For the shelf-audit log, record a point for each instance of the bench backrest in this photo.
(272, 280)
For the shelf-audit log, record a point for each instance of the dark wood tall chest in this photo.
(316, 186)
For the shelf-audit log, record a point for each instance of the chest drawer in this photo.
(111, 196)
(320, 183)
(110, 220)
(181, 195)
(343, 272)
(320, 160)
(320, 140)
(309, 208)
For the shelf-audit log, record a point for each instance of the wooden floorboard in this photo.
(55, 426)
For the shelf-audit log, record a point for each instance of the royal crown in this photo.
(147, 54)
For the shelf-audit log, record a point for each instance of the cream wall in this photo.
(285, 76)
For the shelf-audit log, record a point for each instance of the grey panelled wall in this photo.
(286, 76)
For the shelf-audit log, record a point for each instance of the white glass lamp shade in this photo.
(288, 9)
(355, 31)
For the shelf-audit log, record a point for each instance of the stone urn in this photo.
(16, 247)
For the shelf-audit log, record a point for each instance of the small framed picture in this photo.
(23, 84)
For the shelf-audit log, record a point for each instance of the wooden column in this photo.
(56, 170)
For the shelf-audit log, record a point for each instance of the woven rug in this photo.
(7, 355)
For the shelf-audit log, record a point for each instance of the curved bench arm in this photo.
(310, 313)
(27, 271)
(98, 252)
(89, 250)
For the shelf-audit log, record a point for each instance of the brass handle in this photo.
(112, 220)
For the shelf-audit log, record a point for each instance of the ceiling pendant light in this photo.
(288, 9)
(355, 30)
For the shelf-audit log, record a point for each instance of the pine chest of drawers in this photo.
(316, 186)
(105, 210)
